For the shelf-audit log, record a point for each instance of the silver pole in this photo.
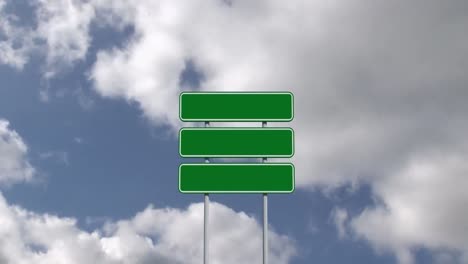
(205, 235)
(265, 219)
(265, 228)
(205, 218)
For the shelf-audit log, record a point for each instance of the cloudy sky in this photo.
(89, 120)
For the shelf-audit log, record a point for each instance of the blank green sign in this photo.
(231, 106)
(236, 142)
(236, 178)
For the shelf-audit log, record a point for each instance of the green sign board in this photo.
(236, 178)
(236, 106)
(236, 142)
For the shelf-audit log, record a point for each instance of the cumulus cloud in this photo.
(423, 206)
(60, 33)
(153, 236)
(368, 90)
(14, 165)
(16, 42)
(64, 25)
(340, 217)
(377, 85)
(147, 70)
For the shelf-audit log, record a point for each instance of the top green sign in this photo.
(236, 106)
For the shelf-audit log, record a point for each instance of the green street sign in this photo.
(236, 106)
(236, 178)
(236, 142)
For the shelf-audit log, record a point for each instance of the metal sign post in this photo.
(205, 228)
(234, 142)
(205, 218)
(265, 219)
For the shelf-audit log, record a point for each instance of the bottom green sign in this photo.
(236, 178)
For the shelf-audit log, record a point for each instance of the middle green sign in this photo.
(236, 142)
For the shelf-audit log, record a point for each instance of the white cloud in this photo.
(64, 25)
(340, 217)
(366, 116)
(377, 85)
(152, 236)
(147, 70)
(16, 42)
(61, 34)
(14, 165)
(424, 205)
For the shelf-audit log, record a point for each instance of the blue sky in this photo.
(88, 129)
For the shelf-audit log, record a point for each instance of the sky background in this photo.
(89, 120)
